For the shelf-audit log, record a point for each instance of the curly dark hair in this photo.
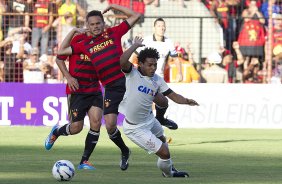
(148, 53)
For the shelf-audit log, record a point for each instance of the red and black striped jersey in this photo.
(104, 52)
(81, 68)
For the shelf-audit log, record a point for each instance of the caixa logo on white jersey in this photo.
(146, 90)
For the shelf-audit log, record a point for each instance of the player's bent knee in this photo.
(95, 125)
(111, 129)
(163, 152)
(76, 127)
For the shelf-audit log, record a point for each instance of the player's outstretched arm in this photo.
(132, 15)
(177, 98)
(125, 64)
(65, 48)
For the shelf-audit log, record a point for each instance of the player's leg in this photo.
(113, 96)
(164, 162)
(95, 116)
(143, 136)
(115, 136)
(161, 105)
(77, 112)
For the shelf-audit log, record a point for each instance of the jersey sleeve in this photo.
(163, 87)
(77, 47)
(121, 29)
(131, 73)
(127, 71)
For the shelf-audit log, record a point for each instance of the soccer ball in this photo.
(63, 170)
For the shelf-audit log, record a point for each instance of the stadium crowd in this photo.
(31, 32)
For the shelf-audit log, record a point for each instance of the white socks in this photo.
(166, 166)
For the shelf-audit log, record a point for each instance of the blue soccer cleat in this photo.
(50, 140)
(86, 165)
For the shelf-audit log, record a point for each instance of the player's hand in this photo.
(107, 9)
(73, 84)
(192, 102)
(235, 45)
(138, 41)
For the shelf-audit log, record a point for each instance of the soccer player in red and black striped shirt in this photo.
(84, 96)
(104, 51)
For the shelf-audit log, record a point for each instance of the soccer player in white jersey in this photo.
(166, 48)
(143, 87)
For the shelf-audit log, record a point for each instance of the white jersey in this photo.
(140, 92)
(165, 48)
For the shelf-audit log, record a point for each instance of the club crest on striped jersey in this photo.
(84, 57)
(105, 35)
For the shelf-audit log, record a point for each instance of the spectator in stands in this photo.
(225, 13)
(136, 5)
(214, 73)
(251, 73)
(3, 8)
(49, 74)
(231, 64)
(277, 37)
(189, 72)
(32, 63)
(22, 34)
(248, 2)
(252, 37)
(13, 58)
(276, 9)
(20, 7)
(53, 42)
(277, 73)
(41, 25)
(68, 17)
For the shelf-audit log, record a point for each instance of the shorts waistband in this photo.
(128, 122)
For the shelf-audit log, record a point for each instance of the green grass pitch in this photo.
(212, 156)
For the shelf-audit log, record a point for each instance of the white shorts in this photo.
(145, 135)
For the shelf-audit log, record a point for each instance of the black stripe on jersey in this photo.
(97, 39)
(109, 67)
(84, 71)
(86, 63)
(86, 79)
(167, 92)
(101, 61)
(113, 74)
(109, 49)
